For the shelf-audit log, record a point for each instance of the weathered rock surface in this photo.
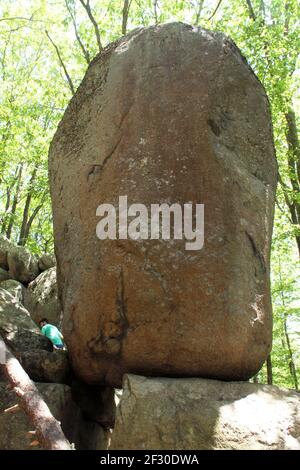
(13, 427)
(169, 114)
(205, 414)
(46, 261)
(17, 328)
(4, 275)
(5, 246)
(23, 265)
(41, 298)
(15, 288)
(45, 366)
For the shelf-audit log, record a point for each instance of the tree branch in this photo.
(22, 18)
(85, 52)
(87, 8)
(294, 148)
(251, 10)
(48, 428)
(198, 12)
(71, 86)
(125, 13)
(215, 11)
(155, 2)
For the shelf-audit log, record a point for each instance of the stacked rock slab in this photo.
(168, 114)
(161, 413)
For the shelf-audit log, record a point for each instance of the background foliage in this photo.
(45, 48)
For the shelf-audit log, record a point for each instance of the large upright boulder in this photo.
(205, 414)
(168, 114)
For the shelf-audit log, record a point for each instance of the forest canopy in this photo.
(45, 49)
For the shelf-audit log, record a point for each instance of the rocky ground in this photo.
(28, 292)
(150, 413)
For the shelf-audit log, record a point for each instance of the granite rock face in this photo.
(23, 265)
(168, 114)
(17, 327)
(46, 261)
(15, 288)
(41, 298)
(45, 366)
(205, 414)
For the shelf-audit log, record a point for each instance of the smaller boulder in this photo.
(41, 298)
(17, 327)
(45, 366)
(163, 413)
(5, 246)
(23, 265)
(15, 288)
(46, 261)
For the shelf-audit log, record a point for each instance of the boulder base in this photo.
(205, 415)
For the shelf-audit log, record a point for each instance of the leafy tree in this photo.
(45, 49)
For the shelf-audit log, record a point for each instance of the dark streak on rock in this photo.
(121, 305)
(96, 168)
(214, 127)
(256, 252)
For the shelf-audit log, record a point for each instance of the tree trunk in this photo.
(7, 204)
(48, 428)
(291, 356)
(199, 11)
(22, 239)
(269, 370)
(155, 11)
(125, 14)
(4, 140)
(29, 223)
(15, 202)
(291, 193)
(292, 196)
(251, 10)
